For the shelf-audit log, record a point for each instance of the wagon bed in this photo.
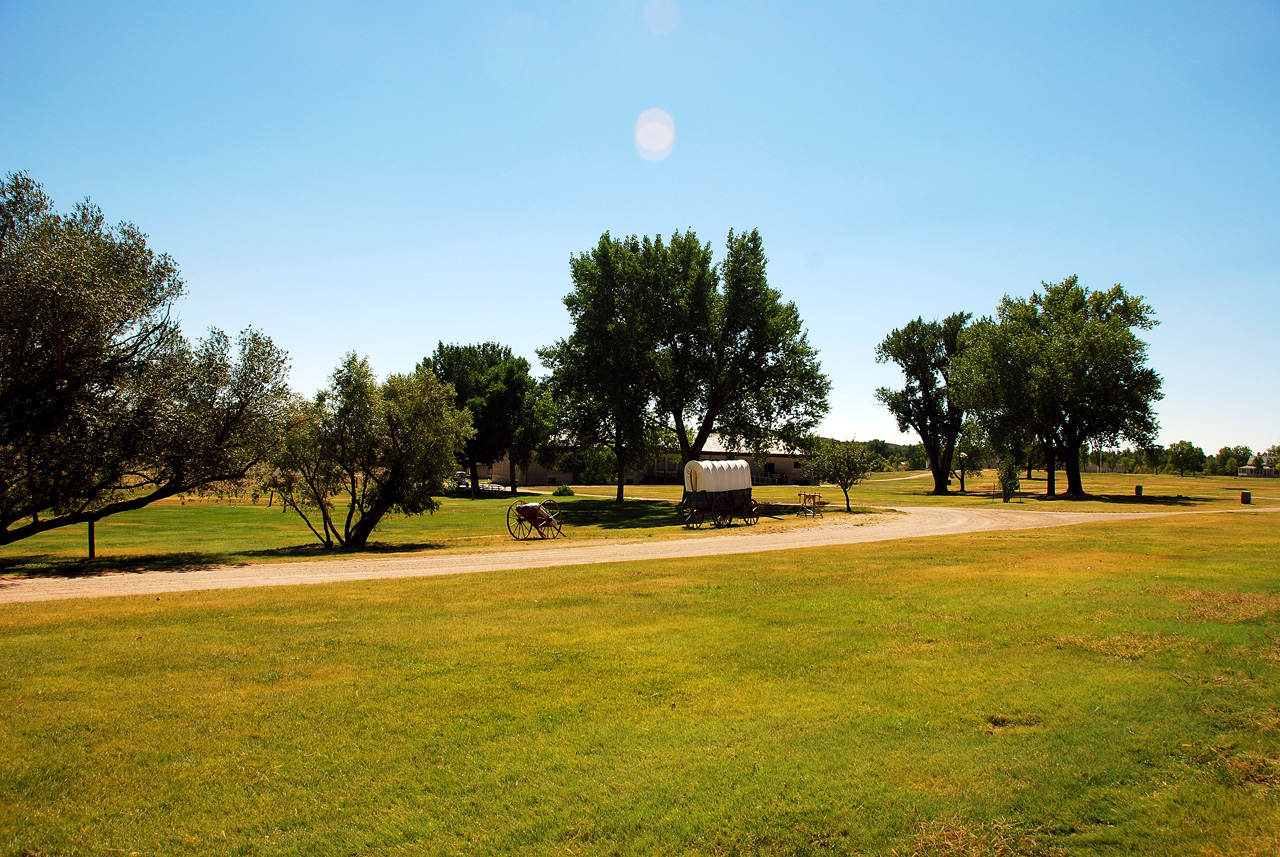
(718, 490)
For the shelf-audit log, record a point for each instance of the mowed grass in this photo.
(1101, 689)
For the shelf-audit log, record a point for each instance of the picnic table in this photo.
(810, 505)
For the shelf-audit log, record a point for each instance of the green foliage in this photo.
(842, 463)
(562, 491)
(727, 355)
(1061, 367)
(924, 351)
(502, 397)
(1008, 474)
(375, 448)
(665, 339)
(104, 406)
(973, 447)
(1185, 456)
(599, 373)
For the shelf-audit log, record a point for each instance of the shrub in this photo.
(562, 491)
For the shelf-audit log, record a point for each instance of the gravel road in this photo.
(915, 522)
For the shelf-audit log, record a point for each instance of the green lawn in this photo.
(1108, 689)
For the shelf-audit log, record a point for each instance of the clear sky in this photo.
(380, 176)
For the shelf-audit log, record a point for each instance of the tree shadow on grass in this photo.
(46, 566)
(1124, 499)
(319, 551)
(40, 565)
(628, 515)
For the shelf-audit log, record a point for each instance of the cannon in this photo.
(718, 490)
(525, 519)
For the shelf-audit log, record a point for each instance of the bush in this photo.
(562, 491)
(1010, 481)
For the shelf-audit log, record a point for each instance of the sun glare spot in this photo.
(655, 134)
(661, 16)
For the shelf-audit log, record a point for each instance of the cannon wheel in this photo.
(692, 518)
(550, 527)
(751, 514)
(518, 527)
(722, 512)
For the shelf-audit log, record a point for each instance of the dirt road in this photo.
(911, 523)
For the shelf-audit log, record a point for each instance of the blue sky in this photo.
(377, 177)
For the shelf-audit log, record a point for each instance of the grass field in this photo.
(174, 533)
(1103, 689)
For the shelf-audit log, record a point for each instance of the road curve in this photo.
(914, 522)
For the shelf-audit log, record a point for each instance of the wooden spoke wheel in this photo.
(518, 525)
(692, 518)
(751, 512)
(549, 526)
(722, 512)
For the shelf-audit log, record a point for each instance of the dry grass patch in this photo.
(954, 837)
(1219, 606)
(1131, 646)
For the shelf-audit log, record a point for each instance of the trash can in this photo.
(1137, 490)
(1246, 497)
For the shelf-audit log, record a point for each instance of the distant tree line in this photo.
(106, 407)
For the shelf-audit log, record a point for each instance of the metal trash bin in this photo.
(1246, 497)
(1137, 490)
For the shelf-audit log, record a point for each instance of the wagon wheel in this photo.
(722, 512)
(549, 527)
(516, 525)
(751, 513)
(692, 518)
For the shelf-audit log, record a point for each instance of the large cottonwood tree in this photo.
(668, 343)
(728, 355)
(924, 351)
(1064, 366)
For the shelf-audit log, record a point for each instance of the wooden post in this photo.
(92, 547)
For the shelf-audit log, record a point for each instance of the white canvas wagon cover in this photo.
(717, 476)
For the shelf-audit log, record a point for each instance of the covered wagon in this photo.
(718, 490)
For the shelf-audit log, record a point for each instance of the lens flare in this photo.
(661, 16)
(655, 134)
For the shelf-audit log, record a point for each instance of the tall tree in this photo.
(104, 406)
(728, 356)
(375, 447)
(1000, 378)
(1185, 455)
(1066, 366)
(599, 374)
(924, 352)
(494, 385)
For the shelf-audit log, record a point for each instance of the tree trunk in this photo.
(474, 469)
(515, 486)
(940, 466)
(1051, 470)
(847, 507)
(1075, 485)
(93, 548)
(617, 454)
(359, 537)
